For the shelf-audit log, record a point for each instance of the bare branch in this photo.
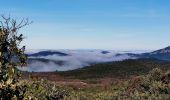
(11, 24)
(23, 23)
(2, 25)
(7, 20)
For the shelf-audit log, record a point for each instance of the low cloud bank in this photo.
(76, 59)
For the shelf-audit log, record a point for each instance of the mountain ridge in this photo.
(69, 60)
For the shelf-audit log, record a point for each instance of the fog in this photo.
(76, 59)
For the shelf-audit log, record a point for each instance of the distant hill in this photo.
(68, 60)
(47, 53)
(105, 52)
(162, 54)
(164, 50)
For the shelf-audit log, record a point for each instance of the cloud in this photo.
(77, 59)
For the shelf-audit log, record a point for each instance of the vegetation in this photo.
(153, 86)
(117, 69)
(11, 55)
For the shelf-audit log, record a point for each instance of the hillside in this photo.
(117, 69)
(152, 86)
(162, 54)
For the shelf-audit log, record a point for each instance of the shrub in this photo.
(11, 55)
(155, 85)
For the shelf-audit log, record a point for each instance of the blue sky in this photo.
(93, 24)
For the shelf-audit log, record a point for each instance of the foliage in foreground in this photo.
(11, 56)
(154, 86)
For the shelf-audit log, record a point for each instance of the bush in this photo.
(11, 55)
(155, 85)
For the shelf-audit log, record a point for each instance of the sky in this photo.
(93, 24)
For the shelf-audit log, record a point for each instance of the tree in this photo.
(11, 56)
